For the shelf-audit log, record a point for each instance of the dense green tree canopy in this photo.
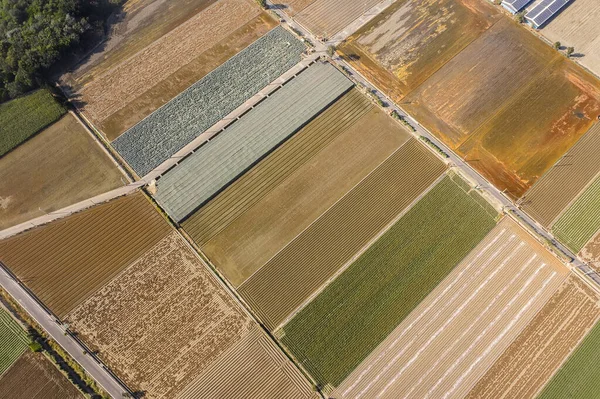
(34, 34)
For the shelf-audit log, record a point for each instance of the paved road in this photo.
(454, 160)
(57, 332)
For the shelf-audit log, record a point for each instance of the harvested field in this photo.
(579, 377)
(203, 174)
(13, 341)
(67, 260)
(510, 110)
(58, 167)
(577, 26)
(444, 346)
(408, 42)
(183, 324)
(581, 221)
(33, 376)
(228, 376)
(313, 257)
(334, 333)
(368, 137)
(591, 252)
(160, 60)
(23, 117)
(327, 17)
(531, 360)
(156, 138)
(565, 181)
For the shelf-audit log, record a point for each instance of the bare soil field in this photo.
(60, 166)
(308, 261)
(273, 222)
(559, 187)
(228, 376)
(446, 344)
(577, 26)
(531, 360)
(327, 17)
(132, 81)
(67, 260)
(166, 319)
(591, 252)
(253, 185)
(412, 39)
(516, 111)
(33, 376)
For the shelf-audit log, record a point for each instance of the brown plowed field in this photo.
(566, 180)
(591, 253)
(291, 206)
(33, 376)
(58, 167)
(135, 87)
(327, 17)
(67, 260)
(306, 263)
(412, 39)
(228, 376)
(165, 320)
(246, 191)
(509, 104)
(446, 344)
(531, 360)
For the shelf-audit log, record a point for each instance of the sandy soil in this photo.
(446, 344)
(58, 167)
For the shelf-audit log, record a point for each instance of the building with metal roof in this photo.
(542, 12)
(514, 6)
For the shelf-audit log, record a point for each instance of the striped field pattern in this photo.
(328, 17)
(13, 341)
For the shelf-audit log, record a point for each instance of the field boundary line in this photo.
(361, 251)
(324, 212)
(570, 204)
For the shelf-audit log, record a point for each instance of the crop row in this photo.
(358, 310)
(13, 340)
(171, 127)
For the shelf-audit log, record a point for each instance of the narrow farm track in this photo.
(255, 354)
(65, 261)
(565, 181)
(328, 17)
(443, 347)
(530, 361)
(277, 167)
(307, 262)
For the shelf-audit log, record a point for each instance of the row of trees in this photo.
(36, 34)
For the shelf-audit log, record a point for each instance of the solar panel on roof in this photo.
(545, 10)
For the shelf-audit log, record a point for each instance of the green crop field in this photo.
(23, 117)
(581, 221)
(358, 310)
(13, 341)
(579, 377)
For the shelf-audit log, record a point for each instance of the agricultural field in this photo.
(25, 116)
(510, 110)
(363, 138)
(330, 242)
(184, 326)
(579, 377)
(58, 167)
(67, 260)
(560, 186)
(325, 18)
(355, 313)
(152, 141)
(13, 341)
(408, 42)
(33, 376)
(581, 221)
(199, 177)
(577, 26)
(124, 86)
(539, 350)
